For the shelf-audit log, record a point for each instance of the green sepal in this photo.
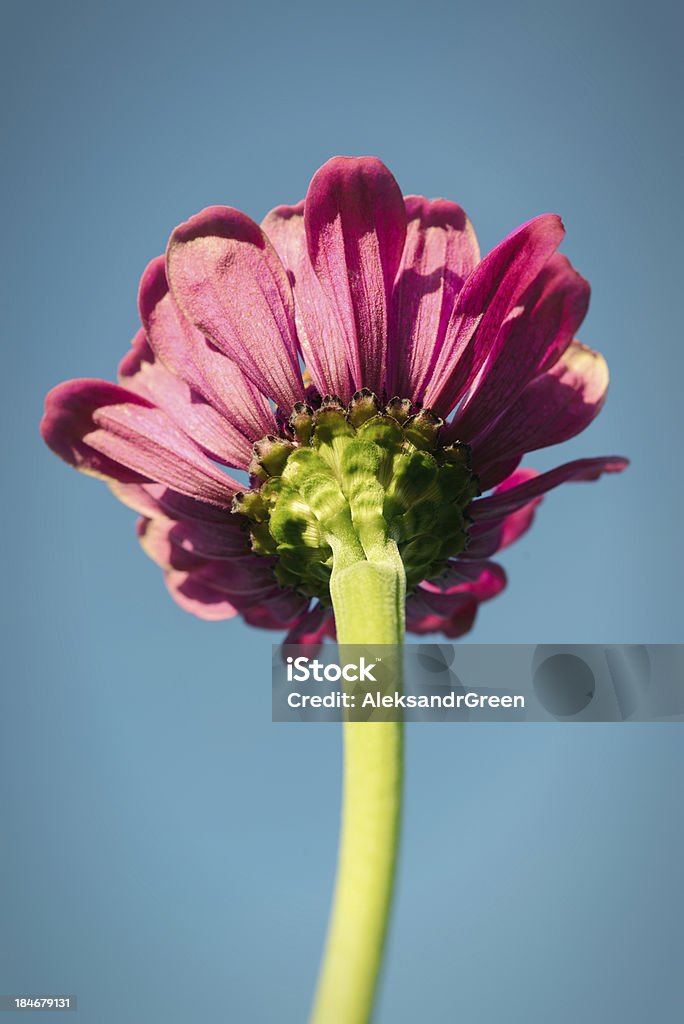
(270, 456)
(363, 406)
(358, 483)
(422, 430)
(400, 409)
(301, 422)
(252, 505)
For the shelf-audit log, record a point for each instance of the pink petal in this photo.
(242, 575)
(226, 540)
(320, 332)
(188, 354)
(154, 539)
(228, 280)
(553, 408)
(198, 541)
(440, 252)
(140, 371)
(486, 299)
(157, 500)
(531, 339)
(250, 586)
(196, 593)
(198, 599)
(106, 430)
(68, 418)
(355, 229)
(497, 505)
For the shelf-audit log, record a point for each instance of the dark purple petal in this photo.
(355, 229)
(497, 472)
(108, 431)
(321, 335)
(532, 338)
(440, 252)
(487, 297)
(450, 614)
(310, 631)
(227, 279)
(278, 610)
(497, 505)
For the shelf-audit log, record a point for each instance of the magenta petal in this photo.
(450, 606)
(497, 472)
(440, 252)
(530, 340)
(188, 354)
(482, 579)
(450, 614)
(107, 430)
(228, 280)
(355, 229)
(321, 335)
(553, 408)
(486, 299)
(497, 505)
(68, 418)
(490, 536)
(140, 371)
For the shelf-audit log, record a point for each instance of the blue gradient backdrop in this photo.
(167, 853)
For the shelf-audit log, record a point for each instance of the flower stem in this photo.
(368, 599)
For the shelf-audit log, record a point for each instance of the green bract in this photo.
(357, 477)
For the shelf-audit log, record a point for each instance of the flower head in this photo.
(374, 376)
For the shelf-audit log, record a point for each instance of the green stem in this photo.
(368, 599)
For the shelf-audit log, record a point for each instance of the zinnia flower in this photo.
(379, 384)
(360, 361)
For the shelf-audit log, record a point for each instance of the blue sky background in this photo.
(168, 853)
